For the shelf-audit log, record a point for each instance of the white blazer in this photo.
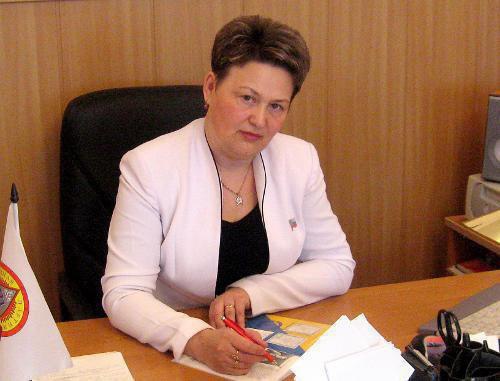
(165, 232)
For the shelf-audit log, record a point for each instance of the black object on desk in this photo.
(464, 359)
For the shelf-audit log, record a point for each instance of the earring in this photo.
(205, 106)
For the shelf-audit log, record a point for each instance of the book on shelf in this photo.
(487, 262)
(475, 265)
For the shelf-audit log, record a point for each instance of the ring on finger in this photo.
(228, 306)
(236, 357)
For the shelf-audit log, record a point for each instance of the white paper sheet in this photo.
(258, 372)
(492, 340)
(108, 366)
(352, 350)
(380, 363)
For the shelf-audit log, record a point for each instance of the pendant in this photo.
(238, 200)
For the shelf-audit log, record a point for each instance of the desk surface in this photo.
(395, 310)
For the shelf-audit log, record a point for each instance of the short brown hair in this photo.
(255, 38)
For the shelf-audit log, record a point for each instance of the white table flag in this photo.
(30, 343)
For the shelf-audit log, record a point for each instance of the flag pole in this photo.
(14, 198)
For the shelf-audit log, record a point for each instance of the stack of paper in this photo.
(352, 350)
(488, 225)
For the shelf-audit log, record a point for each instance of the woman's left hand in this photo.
(231, 304)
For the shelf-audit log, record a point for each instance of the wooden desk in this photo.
(465, 243)
(395, 310)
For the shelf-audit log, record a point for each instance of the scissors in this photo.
(452, 334)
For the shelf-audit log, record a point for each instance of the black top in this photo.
(243, 251)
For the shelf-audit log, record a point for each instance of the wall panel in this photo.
(184, 35)
(441, 75)
(106, 44)
(366, 109)
(29, 132)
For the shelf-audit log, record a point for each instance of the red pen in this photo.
(240, 331)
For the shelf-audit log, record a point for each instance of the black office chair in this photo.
(97, 130)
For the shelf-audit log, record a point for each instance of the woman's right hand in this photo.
(225, 351)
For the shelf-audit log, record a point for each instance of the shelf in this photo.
(456, 224)
(465, 243)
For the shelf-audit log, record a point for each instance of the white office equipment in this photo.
(482, 197)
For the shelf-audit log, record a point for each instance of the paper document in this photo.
(287, 339)
(484, 320)
(258, 372)
(352, 350)
(108, 366)
(479, 310)
(487, 225)
(347, 350)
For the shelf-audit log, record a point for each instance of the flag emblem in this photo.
(14, 304)
(30, 346)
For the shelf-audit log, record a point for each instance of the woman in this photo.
(225, 212)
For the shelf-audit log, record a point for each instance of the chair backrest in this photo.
(97, 130)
